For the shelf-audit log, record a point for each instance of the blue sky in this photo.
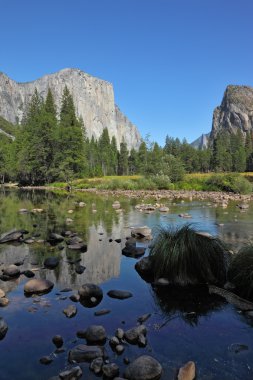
(169, 60)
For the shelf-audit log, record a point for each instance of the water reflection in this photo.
(189, 303)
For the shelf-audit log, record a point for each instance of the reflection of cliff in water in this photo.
(187, 303)
(102, 261)
(236, 234)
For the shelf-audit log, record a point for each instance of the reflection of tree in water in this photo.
(189, 303)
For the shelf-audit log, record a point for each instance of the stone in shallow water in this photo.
(70, 311)
(187, 372)
(133, 251)
(96, 365)
(11, 271)
(38, 286)
(2, 293)
(58, 341)
(71, 374)
(51, 262)
(95, 334)
(132, 335)
(144, 317)
(101, 312)
(119, 294)
(144, 368)
(90, 295)
(12, 236)
(28, 273)
(3, 328)
(145, 269)
(46, 360)
(79, 269)
(84, 353)
(4, 301)
(110, 370)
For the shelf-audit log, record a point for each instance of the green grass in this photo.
(185, 257)
(240, 272)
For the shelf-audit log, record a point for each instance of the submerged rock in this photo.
(110, 370)
(4, 301)
(144, 368)
(71, 374)
(133, 251)
(51, 262)
(119, 294)
(38, 286)
(132, 335)
(187, 372)
(141, 232)
(58, 341)
(46, 360)
(101, 312)
(96, 365)
(84, 353)
(3, 328)
(144, 317)
(95, 334)
(70, 311)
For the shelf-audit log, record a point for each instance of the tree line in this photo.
(50, 147)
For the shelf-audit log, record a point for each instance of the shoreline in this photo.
(216, 196)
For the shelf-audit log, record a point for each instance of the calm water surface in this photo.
(175, 334)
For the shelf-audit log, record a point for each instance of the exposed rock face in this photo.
(93, 98)
(201, 142)
(235, 111)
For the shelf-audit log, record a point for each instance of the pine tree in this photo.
(70, 155)
(123, 159)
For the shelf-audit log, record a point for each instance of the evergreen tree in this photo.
(70, 155)
(123, 159)
(142, 161)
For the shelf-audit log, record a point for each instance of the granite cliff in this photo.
(93, 98)
(235, 111)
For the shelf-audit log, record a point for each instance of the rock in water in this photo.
(95, 334)
(187, 372)
(3, 328)
(84, 353)
(90, 295)
(144, 368)
(119, 294)
(38, 286)
(58, 341)
(70, 311)
(71, 374)
(93, 99)
(11, 271)
(12, 236)
(51, 262)
(110, 370)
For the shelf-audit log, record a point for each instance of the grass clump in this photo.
(186, 257)
(240, 272)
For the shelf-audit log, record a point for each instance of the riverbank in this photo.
(215, 196)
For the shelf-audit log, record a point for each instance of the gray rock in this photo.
(4, 301)
(12, 236)
(70, 311)
(132, 335)
(74, 297)
(143, 318)
(51, 262)
(90, 295)
(3, 328)
(93, 99)
(2, 293)
(119, 333)
(144, 368)
(11, 271)
(96, 365)
(119, 349)
(84, 353)
(28, 273)
(79, 269)
(133, 251)
(101, 312)
(110, 370)
(119, 294)
(38, 286)
(114, 341)
(141, 232)
(95, 334)
(142, 340)
(187, 372)
(71, 374)
(55, 238)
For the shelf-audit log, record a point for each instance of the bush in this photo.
(240, 272)
(162, 182)
(231, 182)
(185, 257)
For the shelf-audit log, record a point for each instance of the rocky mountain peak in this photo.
(93, 99)
(235, 111)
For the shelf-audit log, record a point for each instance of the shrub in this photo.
(231, 182)
(162, 181)
(186, 257)
(240, 272)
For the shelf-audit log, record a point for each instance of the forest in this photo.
(51, 147)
